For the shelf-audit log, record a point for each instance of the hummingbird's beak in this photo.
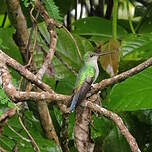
(104, 53)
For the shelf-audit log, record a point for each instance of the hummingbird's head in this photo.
(93, 56)
(90, 56)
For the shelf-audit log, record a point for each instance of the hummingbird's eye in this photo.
(91, 55)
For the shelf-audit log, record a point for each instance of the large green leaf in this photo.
(96, 26)
(3, 7)
(8, 45)
(137, 47)
(102, 127)
(64, 6)
(133, 93)
(115, 141)
(67, 49)
(146, 27)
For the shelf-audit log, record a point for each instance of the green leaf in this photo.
(6, 23)
(133, 93)
(3, 97)
(96, 26)
(52, 9)
(67, 49)
(8, 45)
(26, 3)
(137, 47)
(115, 141)
(83, 44)
(9, 138)
(102, 127)
(64, 6)
(3, 7)
(146, 27)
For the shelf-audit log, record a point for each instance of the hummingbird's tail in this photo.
(80, 94)
(74, 102)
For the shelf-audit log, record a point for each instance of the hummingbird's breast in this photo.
(94, 64)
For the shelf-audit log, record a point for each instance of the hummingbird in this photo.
(86, 77)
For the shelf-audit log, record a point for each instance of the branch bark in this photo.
(82, 131)
(19, 22)
(122, 76)
(119, 123)
(17, 96)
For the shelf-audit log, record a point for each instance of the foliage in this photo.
(52, 9)
(35, 129)
(5, 102)
(27, 2)
(131, 98)
(132, 94)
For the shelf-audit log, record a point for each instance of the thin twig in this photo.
(130, 19)
(34, 21)
(78, 50)
(23, 138)
(4, 19)
(36, 148)
(45, 117)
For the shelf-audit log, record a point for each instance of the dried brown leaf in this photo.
(110, 62)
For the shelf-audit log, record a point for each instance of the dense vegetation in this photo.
(123, 26)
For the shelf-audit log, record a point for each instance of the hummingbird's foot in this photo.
(92, 85)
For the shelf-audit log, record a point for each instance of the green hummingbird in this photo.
(86, 77)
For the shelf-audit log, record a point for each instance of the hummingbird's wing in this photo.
(83, 85)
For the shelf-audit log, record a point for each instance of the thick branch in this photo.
(19, 22)
(45, 117)
(27, 74)
(82, 131)
(20, 95)
(82, 134)
(99, 86)
(119, 123)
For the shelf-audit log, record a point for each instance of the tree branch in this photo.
(19, 22)
(107, 82)
(34, 144)
(4, 58)
(17, 96)
(119, 123)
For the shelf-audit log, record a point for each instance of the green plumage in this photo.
(86, 71)
(87, 75)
